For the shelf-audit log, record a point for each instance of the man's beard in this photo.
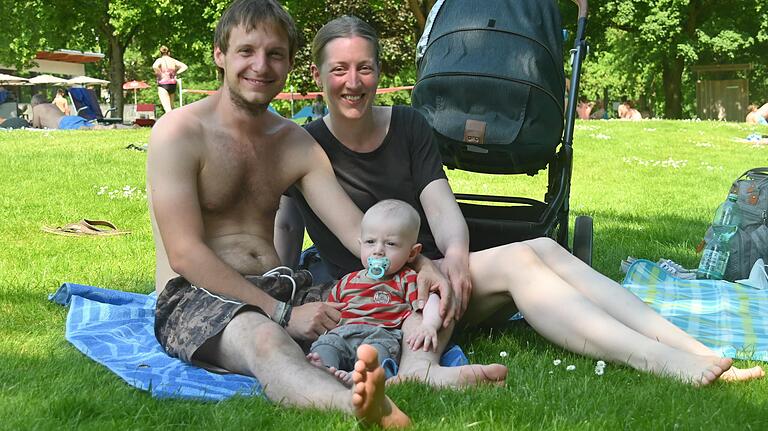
(251, 108)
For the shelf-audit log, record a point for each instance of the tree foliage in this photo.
(393, 20)
(651, 46)
(108, 26)
(640, 49)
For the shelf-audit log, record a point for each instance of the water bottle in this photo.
(724, 227)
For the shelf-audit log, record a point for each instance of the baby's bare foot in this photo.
(342, 376)
(369, 403)
(314, 359)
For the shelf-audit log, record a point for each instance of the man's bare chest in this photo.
(249, 181)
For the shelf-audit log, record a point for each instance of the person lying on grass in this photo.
(757, 115)
(381, 296)
(381, 152)
(46, 115)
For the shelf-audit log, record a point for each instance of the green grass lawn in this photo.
(651, 186)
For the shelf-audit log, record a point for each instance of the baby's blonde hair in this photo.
(397, 210)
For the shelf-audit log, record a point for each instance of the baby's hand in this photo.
(423, 336)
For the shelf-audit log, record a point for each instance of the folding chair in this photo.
(143, 111)
(87, 106)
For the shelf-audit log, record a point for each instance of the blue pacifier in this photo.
(377, 267)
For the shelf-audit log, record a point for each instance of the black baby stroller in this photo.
(492, 86)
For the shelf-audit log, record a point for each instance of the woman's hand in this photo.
(430, 279)
(456, 267)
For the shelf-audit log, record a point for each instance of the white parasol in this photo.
(47, 79)
(86, 80)
(12, 80)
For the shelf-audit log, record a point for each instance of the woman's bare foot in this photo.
(369, 403)
(694, 369)
(739, 374)
(455, 377)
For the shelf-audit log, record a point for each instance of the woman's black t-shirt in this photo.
(405, 163)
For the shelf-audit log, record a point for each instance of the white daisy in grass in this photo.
(503, 354)
(600, 368)
(570, 368)
(557, 362)
(125, 192)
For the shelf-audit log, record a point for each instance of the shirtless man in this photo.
(46, 115)
(216, 170)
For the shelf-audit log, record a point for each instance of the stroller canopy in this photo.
(498, 63)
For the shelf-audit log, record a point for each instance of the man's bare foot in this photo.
(369, 403)
(739, 374)
(455, 377)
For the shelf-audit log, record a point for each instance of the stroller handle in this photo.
(582, 8)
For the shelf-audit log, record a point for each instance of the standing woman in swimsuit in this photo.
(166, 68)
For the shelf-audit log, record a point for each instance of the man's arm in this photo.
(328, 200)
(452, 237)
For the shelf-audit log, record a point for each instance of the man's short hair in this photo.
(38, 99)
(250, 14)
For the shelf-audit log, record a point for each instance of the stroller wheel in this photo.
(582, 239)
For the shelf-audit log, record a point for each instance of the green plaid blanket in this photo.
(729, 318)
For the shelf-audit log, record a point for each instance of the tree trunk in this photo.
(116, 75)
(420, 9)
(673, 88)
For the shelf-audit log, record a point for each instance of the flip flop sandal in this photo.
(86, 227)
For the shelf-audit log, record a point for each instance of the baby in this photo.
(381, 296)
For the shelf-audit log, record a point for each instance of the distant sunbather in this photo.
(61, 102)
(627, 112)
(46, 115)
(757, 115)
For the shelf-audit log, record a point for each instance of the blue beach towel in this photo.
(729, 318)
(116, 329)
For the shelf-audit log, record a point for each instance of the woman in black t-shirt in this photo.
(379, 153)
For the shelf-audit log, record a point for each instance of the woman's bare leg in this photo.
(566, 316)
(165, 99)
(622, 304)
(425, 366)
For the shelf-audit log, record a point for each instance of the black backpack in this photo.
(491, 84)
